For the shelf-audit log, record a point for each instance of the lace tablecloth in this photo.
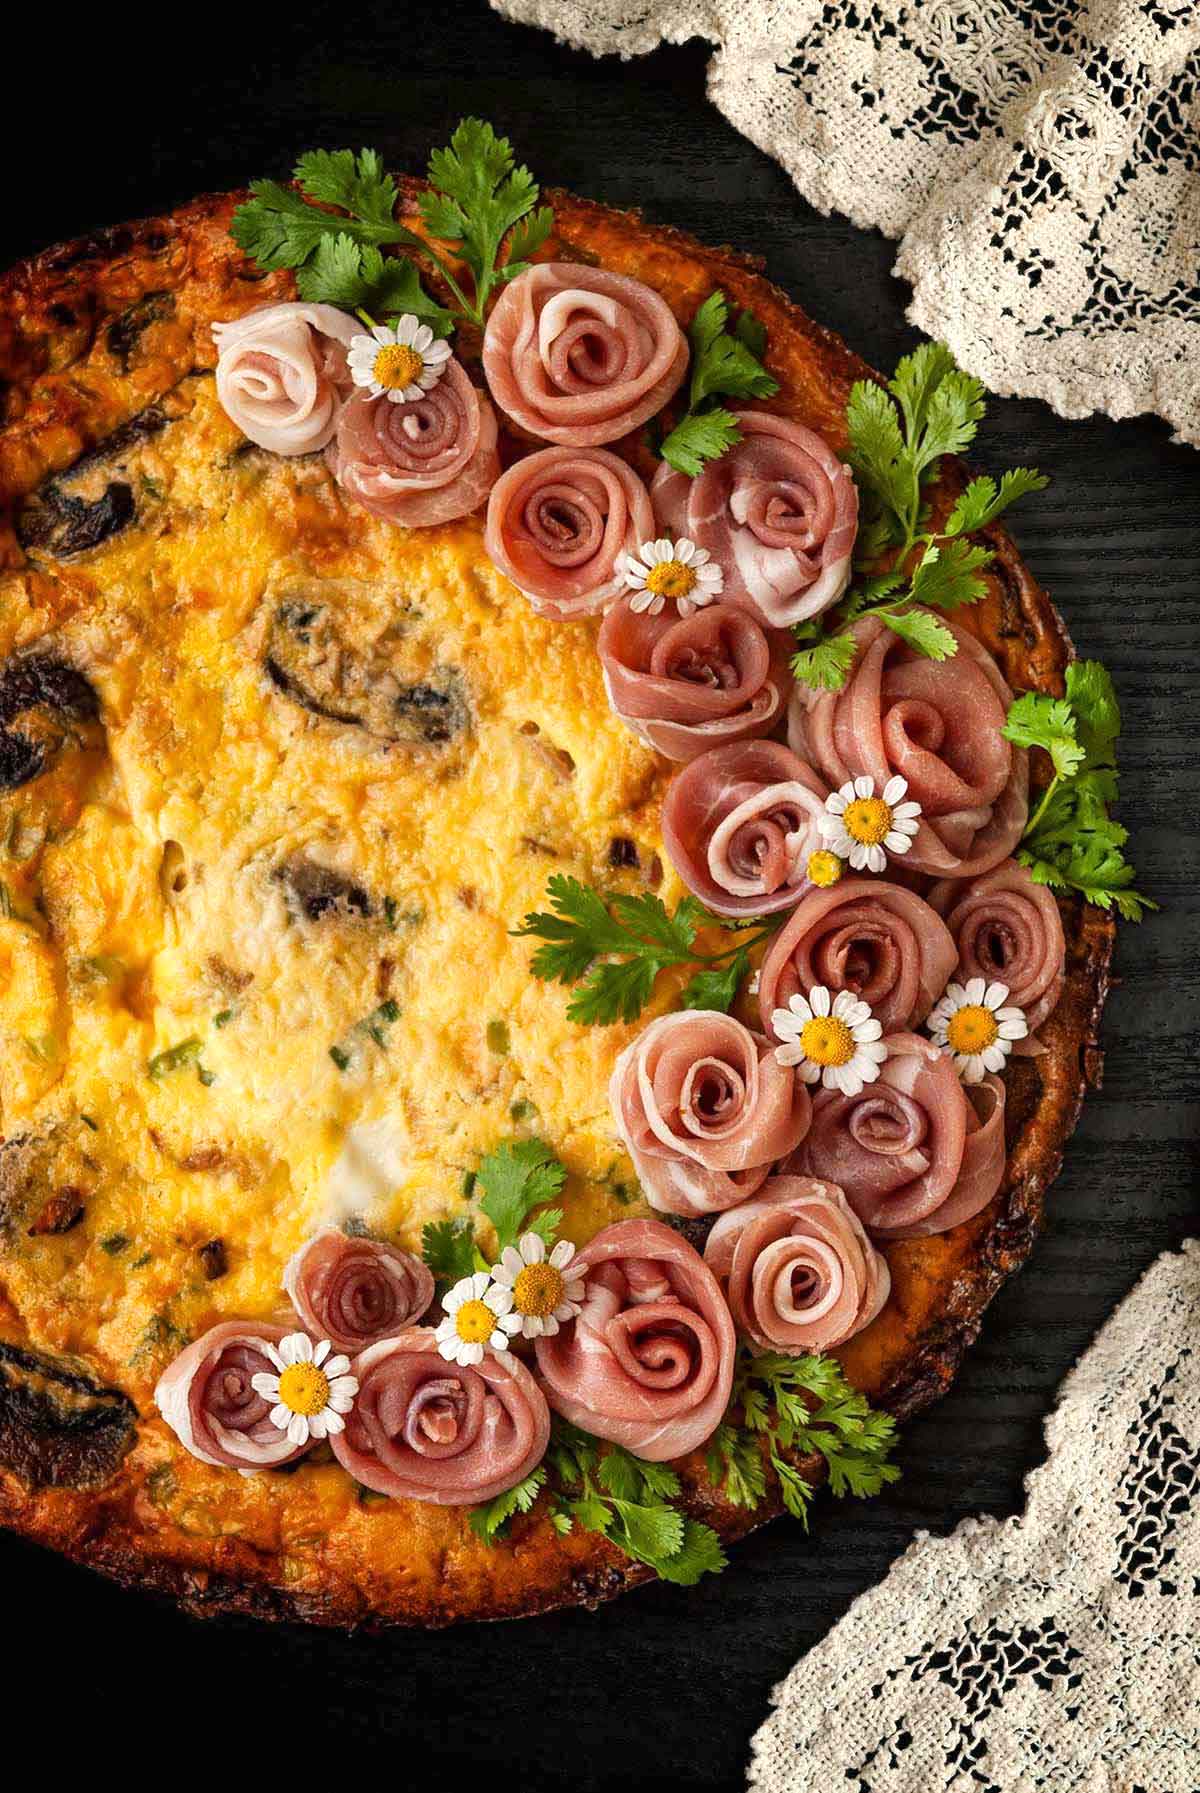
(1039, 161)
(1058, 1650)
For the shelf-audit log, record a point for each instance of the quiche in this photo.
(328, 648)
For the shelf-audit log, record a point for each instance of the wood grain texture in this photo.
(664, 1689)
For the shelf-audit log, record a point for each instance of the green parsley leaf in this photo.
(716, 987)
(448, 1247)
(479, 195)
(949, 576)
(703, 437)
(356, 183)
(345, 273)
(981, 503)
(626, 1499)
(921, 631)
(517, 1177)
(491, 1520)
(826, 664)
(1036, 720)
(877, 452)
(725, 362)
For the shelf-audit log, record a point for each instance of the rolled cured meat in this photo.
(282, 374)
(739, 824)
(914, 1152)
(797, 1268)
(778, 513)
(450, 1433)
(1008, 930)
(704, 1110)
(685, 684)
(936, 724)
(354, 1292)
(648, 1363)
(207, 1398)
(875, 939)
(580, 356)
(425, 461)
(558, 523)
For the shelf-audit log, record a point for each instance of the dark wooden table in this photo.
(664, 1688)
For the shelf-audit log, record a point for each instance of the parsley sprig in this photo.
(726, 362)
(784, 1406)
(477, 196)
(518, 1176)
(1071, 841)
(613, 946)
(898, 437)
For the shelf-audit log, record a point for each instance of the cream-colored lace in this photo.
(1039, 162)
(1058, 1650)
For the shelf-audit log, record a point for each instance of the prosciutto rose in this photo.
(798, 1270)
(354, 1292)
(739, 824)
(648, 1362)
(875, 939)
(1008, 930)
(207, 1398)
(685, 684)
(704, 1110)
(424, 461)
(915, 1152)
(778, 514)
(938, 725)
(558, 522)
(580, 356)
(453, 1434)
(282, 374)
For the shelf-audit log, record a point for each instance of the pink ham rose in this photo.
(355, 1292)
(798, 1270)
(915, 1152)
(685, 684)
(282, 374)
(704, 1110)
(648, 1362)
(739, 824)
(778, 514)
(875, 939)
(425, 1429)
(207, 1398)
(424, 461)
(580, 356)
(558, 523)
(936, 724)
(1008, 930)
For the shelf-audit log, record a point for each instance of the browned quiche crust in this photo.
(91, 334)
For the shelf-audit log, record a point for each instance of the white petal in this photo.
(972, 1069)
(799, 1006)
(511, 1323)
(819, 998)
(322, 1352)
(876, 859)
(337, 1366)
(562, 1254)
(896, 843)
(894, 789)
(1011, 1024)
(265, 1385)
(684, 550)
(864, 786)
(867, 1031)
(498, 1342)
(973, 993)
(533, 1248)
(550, 1323)
(995, 996)
(872, 1051)
(534, 1326)
(498, 1299)
(280, 1416)
(511, 1260)
(297, 1429)
(406, 329)
(994, 1057)
(806, 1071)
(422, 337)
(333, 1420)
(858, 856)
(382, 334)
(474, 1353)
(906, 812)
(317, 1424)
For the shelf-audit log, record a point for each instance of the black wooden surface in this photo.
(664, 1688)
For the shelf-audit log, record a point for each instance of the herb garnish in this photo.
(898, 436)
(801, 1405)
(618, 944)
(1070, 841)
(516, 1177)
(478, 196)
(724, 361)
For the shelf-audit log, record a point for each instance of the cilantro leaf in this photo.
(490, 1521)
(826, 664)
(517, 1177)
(627, 1500)
(1036, 720)
(705, 436)
(448, 1247)
(724, 362)
(716, 987)
(361, 278)
(479, 194)
(921, 631)
(877, 453)
(981, 503)
(916, 379)
(948, 576)
(356, 183)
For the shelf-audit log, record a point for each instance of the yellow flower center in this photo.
(475, 1322)
(972, 1029)
(824, 869)
(537, 1290)
(868, 820)
(670, 579)
(397, 366)
(304, 1388)
(827, 1041)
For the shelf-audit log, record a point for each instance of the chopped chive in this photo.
(522, 1109)
(341, 1059)
(174, 1058)
(223, 1018)
(115, 1244)
(89, 1122)
(207, 1077)
(390, 911)
(467, 1184)
(498, 1038)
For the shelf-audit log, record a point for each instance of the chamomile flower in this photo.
(547, 1289)
(824, 869)
(830, 1040)
(401, 362)
(973, 1026)
(676, 570)
(311, 1391)
(859, 826)
(474, 1308)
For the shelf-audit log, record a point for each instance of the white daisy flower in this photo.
(546, 1290)
(401, 362)
(973, 1026)
(311, 1391)
(834, 1041)
(668, 569)
(859, 826)
(473, 1307)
